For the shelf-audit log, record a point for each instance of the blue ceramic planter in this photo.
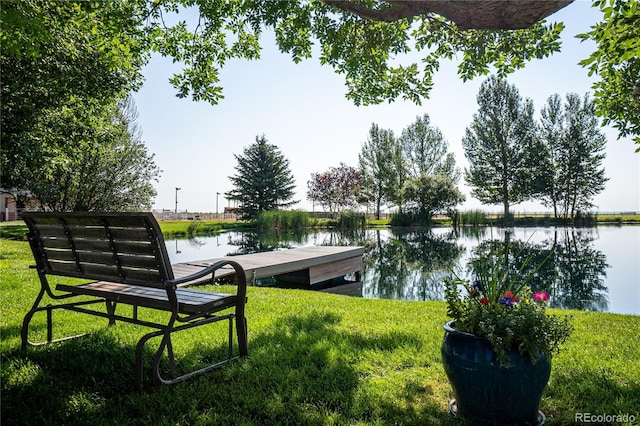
(484, 391)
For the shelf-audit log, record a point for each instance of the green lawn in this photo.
(315, 359)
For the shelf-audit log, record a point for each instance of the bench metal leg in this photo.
(241, 331)
(49, 324)
(172, 360)
(166, 343)
(230, 347)
(24, 332)
(111, 310)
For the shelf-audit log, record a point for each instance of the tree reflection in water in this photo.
(580, 270)
(412, 264)
(573, 274)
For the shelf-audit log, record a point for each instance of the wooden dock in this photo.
(303, 265)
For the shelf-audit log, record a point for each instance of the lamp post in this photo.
(217, 195)
(176, 212)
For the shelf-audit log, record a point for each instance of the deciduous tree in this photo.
(573, 153)
(106, 167)
(501, 146)
(59, 55)
(428, 195)
(376, 168)
(336, 189)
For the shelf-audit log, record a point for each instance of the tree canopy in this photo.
(58, 55)
(364, 50)
(427, 195)
(617, 62)
(426, 151)
(365, 41)
(367, 52)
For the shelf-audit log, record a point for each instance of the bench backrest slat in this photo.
(119, 247)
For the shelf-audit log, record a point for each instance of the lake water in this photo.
(590, 268)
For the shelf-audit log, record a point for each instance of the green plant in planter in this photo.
(499, 306)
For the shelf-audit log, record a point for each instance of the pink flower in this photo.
(541, 296)
(508, 294)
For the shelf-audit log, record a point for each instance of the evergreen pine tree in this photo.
(263, 181)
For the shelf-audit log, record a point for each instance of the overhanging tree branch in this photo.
(466, 14)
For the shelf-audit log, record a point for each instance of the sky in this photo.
(302, 109)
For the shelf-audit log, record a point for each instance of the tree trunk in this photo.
(505, 203)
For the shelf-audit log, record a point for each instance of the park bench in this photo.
(124, 257)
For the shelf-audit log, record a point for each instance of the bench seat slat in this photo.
(132, 247)
(59, 254)
(107, 258)
(137, 261)
(103, 258)
(93, 269)
(189, 301)
(142, 277)
(53, 230)
(79, 232)
(130, 234)
(92, 244)
(52, 242)
(63, 267)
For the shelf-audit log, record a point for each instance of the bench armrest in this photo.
(241, 275)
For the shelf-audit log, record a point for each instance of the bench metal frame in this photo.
(126, 257)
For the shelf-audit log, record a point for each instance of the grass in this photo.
(182, 228)
(315, 359)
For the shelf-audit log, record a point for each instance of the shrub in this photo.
(282, 219)
(473, 218)
(350, 220)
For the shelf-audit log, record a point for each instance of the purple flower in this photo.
(478, 285)
(506, 301)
